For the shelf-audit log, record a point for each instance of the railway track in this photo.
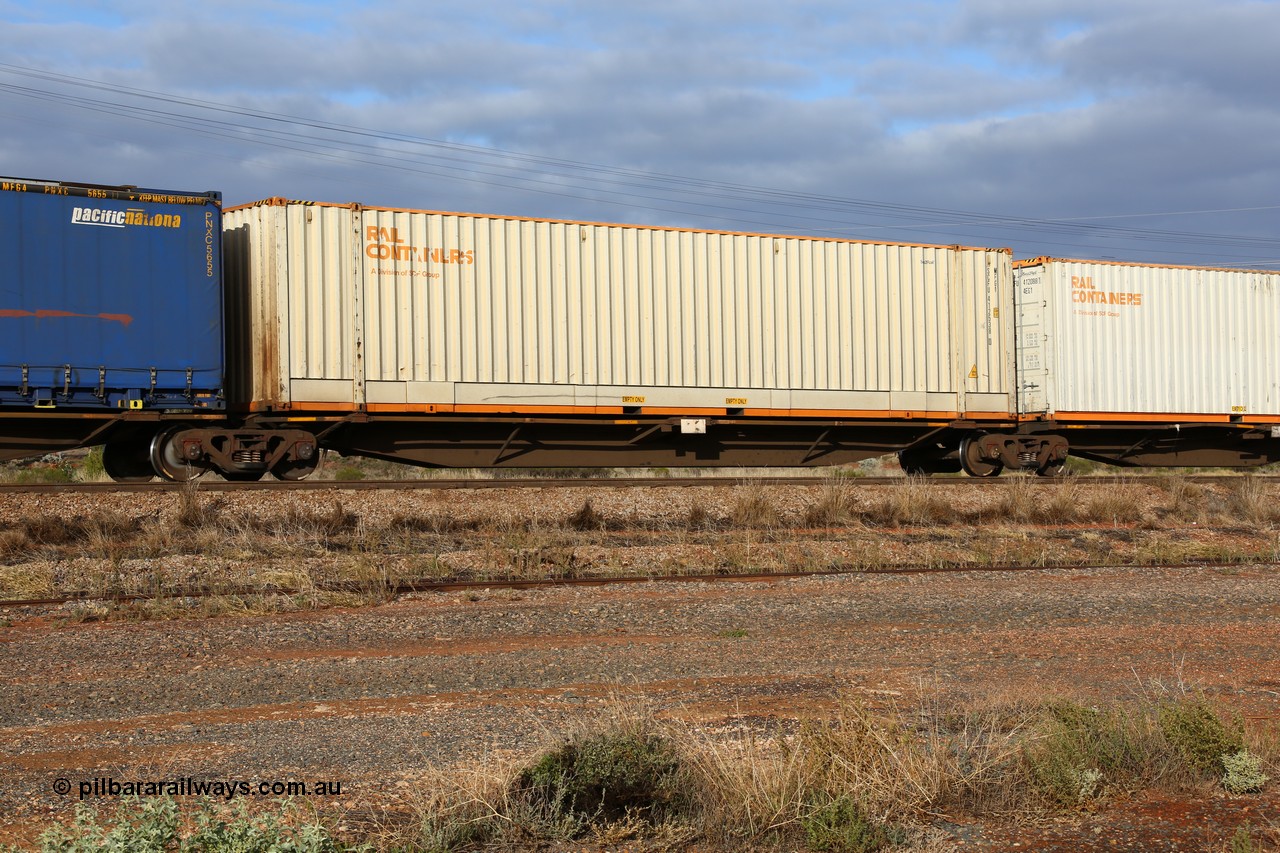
(443, 484)
(408, 587)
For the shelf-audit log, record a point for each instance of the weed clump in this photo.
(1023, 498)
(193, 512)
(841, 826)
(1249, 501)
(296, 521)
(1120, 504)
(1084, 750)
(13, 543)
(50, 530)
(157, 824)
(754, 510)
(1200, 736)
(586, 518)
(595, 780)
(834, 507)
(914, 502)
(1186, 499)
(698, 518)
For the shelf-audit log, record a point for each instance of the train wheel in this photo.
(973, 464)
(298, 469)
(168, 461)
(128, 460)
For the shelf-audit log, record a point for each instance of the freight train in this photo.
(183, 339)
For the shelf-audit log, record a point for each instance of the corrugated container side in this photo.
(452, 309)
(1107, 338)
(109, 296)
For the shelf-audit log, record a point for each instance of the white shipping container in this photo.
(1105, 338)
(353, 307)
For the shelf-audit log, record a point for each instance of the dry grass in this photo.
(862, 778)
(916, 501)
(586, 518)
(1252, 501)
(835, 506)
(698, 518)
(754, 510)
(1187, 500)
(1120, 503)
(1024, 498)
(214, 541)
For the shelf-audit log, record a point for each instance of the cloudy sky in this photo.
(1131, 129)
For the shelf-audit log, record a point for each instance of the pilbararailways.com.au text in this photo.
(227, 789)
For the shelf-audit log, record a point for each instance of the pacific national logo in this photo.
(107, 218)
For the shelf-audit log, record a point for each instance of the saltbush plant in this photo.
(1243, 773)
(157, 825)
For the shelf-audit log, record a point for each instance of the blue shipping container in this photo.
(110, 297)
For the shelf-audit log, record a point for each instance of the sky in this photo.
(1135, 130)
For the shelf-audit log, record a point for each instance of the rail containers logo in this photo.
(129, 217)
(1084, 291)
(386, 244)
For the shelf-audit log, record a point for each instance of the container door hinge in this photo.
(153, 382)
(26, 377)
(101, 393)
(66, 380)
(188, 383)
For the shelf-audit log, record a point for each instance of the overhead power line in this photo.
(745, 205)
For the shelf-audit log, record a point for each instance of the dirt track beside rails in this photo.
(369, 697)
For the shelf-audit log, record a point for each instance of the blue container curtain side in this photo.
(110, 297)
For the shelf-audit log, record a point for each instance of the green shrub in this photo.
(44, 474)
(91, 468)
(841, 826)
(155, 825)
(1199, 735)
(151, 825)
(1085, 749)
(1083, 467)
(245, 833)
(604, 778)
(1242, 840)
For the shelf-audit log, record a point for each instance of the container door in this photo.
(324, 305)
(1032, 341)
